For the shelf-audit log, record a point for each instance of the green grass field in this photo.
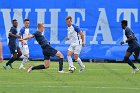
(97, 78)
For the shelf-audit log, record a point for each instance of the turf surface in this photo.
(97, 78)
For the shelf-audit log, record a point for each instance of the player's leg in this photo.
(19, 53)
(77, 51)
(25, 51)
(24, 60)
(39, 67)
(136, 55)
(69, 56)
(127, 60)
(61, 59)
(11, 60)
(13, 50)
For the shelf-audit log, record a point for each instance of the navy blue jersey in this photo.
(41, 39)
(12, 39)
(133, 42)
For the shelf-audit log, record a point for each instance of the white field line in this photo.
(84, 87)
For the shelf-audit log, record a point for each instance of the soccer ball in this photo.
(72, 69)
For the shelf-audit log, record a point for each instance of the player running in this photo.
(13, 46)
(47, 50)
(24, 32)
(134, 46)
(76, 38)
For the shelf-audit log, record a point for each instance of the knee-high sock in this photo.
(11, 60)
(70, 62)
(136, 58)
(80, 62)
(24, 61)
(38, 67)
(126, 59)
(60, 64)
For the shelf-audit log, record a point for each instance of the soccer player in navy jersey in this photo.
(13, 46)
(134, 46)
(47, 50)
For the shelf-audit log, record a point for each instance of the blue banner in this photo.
(99, 21)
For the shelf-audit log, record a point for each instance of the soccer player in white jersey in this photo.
(24, 32)
(76, 38)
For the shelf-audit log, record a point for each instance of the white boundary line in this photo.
(84, 87)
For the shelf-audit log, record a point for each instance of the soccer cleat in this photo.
(5, 67)
(135, 70)
(61, 71)
(29, 69)
(10, 65)
(82, 68)
(21, 67)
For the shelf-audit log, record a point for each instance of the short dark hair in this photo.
(26, 20)
(40, 24)
(68, 17)
(124, 22)
(14, 20)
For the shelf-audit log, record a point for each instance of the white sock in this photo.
(70, 62)
(80, 62)
(24, 61)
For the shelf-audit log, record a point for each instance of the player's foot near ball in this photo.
(81, 69)
(5, 67)
(61, 71)
(21, 67)
(135, 70)
(72, 69)
(29, 69)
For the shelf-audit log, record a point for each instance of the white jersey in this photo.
(24, 32)
(74, 37)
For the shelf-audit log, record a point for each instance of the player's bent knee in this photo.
(69, 53)
(47, 66)
(59, 54)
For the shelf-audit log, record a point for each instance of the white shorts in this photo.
(76, 49)
(24, 49)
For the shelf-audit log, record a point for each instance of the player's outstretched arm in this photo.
(17, 36)
(26, 38)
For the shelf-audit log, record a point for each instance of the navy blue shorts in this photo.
(49, 51)
(131, 49)
(14, 49)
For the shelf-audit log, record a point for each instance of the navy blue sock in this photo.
(126, 59)
(11, 60)
(60, 64)
(38, 67)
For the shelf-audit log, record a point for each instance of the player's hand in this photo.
(20, 39)
(67, 38)
(18, 36)
(122, 42)
(1, 58)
